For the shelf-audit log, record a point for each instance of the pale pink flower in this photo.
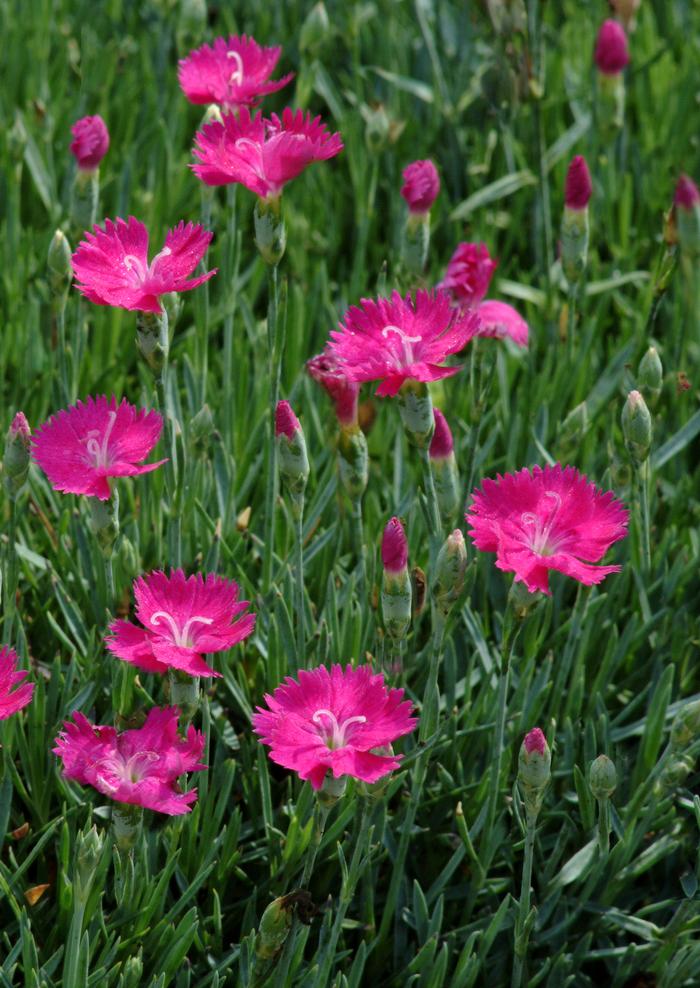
(544, 519)
(333, 721)
(686, 195)
(578, 188)
(421, 185)
(611, 52)
(232, 73)
(81, 447)
(183, 618)
(262, 154)
(401, 339)
(469, 274)
(12, 696)
(394, 547)
(467, 280)
(327, 370)
(111, 266)
(139, 766)
(90, 142)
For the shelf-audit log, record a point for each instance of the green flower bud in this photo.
(636, 427)
(274, 927)
(602, 777)
(59, 263)
(575, 425)
(15, 464)
(293, 458)
(88, 851)
(270, 229)
(650, 374)
(396, 593)
(353, 461)
(450, 568)
(132, 972)
(686, 726)
(534, 770)
(202, 431)
(377, 127)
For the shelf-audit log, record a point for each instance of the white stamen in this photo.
(133, 263)
(337, 738)
(98, 450)
(539, 538)
(236, 77)
(181, 637)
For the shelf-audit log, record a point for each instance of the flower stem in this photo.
(604, 826)
(642, 473)
(430, 714)
(11, 574)
(360, 547)
(522, 927)
(59, 309)
(299, 587)
(571, 321)
(433, 509)
(274, 372)
(184, 693)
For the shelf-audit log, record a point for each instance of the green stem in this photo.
(11, 574)
(536, 52)
(433, 509)
(109, 579)
(299, 586)
(59, 309)
(430, 714)
(642, 472)
(571, 324)
(604, 826)
(360, 547)
(274, 372)
(73, 944)
(521, 932)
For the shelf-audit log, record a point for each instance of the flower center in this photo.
(133, 263)
(335, 735)
(115, 769)
(406, 340)
(181, 636)
(98, 448)
(236, 77)
(538, 527)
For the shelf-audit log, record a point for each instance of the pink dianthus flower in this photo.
(333, 721)
(139, 766)
(394, 546)
(421, 185)
(551, 518)
(467, 279)
(578, 188)
(111, 266)
(399, 339)
(611, 52)
(183, 618)
(686, 195)
(232, 73)
(81, 447)
(90, 142)
(12, 699)
(262, 154)
(328, 371)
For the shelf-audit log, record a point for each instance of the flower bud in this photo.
(450, 567)
(202, 431)
(602, 777)
(315, 30)
(328, 371)
(611, 50)
(128, 557)
(173, 305)
(15, 464)
(686, 726)
(88, 851)
(444, 466)
(686, 203)
(90, 142)
(421, 186)
(575, 425)
(575, 227)
(132, 972)
(534, 770)
(59, 264)
(396, 582)
(650, 374)
(354, 461)
(416, 411)
(293, 459)
(270, 229)
(636, 427)
(377, 127)
(274, 927)
(153, 339)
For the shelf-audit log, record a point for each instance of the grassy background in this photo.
(602, 670)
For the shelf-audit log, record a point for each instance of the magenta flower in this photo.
(90, 142)
(469, 274)
(394, 547)
(686, 195)
(400, 339)
(233, 73)
(578, 188)
(421, 186)
(551, 518)
(328, 371)
(262, 154)
(334, 720)
(81, 447)
(111, 265)
(611, 52)
(467, 279)
(183, 618)
(12, 697)
(442, 443)
(138, 766)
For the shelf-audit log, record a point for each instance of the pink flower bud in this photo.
(611, 51)
(394, 547)
(328, 371)
(578, 188)
(535, 741)
(19, 429)
(421, 185)
(442, 443)
(469, 274)
(90, 142)
(286, 422)
(686, 195)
